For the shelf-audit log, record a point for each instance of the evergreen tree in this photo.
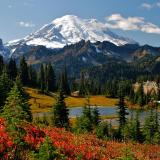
(5, 86)
(122, 113)
(32, 76)
(50, 78)
(42, 78)
(82, 88)
(12, 69)
(64, 85)
(25, 98)
(150, 128)
(46, 151)
(95, 116)
(84, 122)
(23, 71)
(138, 135)
(133, 131)
(1, 64)
(16, 117)
(89, 119)
(60, 113)
(102, 130)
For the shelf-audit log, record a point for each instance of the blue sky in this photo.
(136, 19)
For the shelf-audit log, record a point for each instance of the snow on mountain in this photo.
(71, 29)
(3, 50)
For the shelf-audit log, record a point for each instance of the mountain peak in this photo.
(71, 29)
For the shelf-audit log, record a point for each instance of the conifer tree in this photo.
(138, 135)
(42, 78)
(88, 120)
(32, 76)
(25, 98)
(95, 116)
(84, 122)
(5, 86)
(46, 151)
(12, 69)
(150, 127)
(1, 64)
(122, 112)
(16, 116)
(60, 113)
(50, 78)
(64, 85)
(24, 71)
(82, 87)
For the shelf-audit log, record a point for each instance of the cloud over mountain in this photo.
(117, 21)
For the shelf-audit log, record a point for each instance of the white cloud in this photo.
(117, 21)
(26, 24)
(149, 6)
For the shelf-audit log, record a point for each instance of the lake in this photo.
(104, 111)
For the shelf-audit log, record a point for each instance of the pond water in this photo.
(104, 111)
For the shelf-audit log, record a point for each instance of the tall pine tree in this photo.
(60, 113)
(1, 64)
(5, 86)
(23, 71)
(42, 78)
(50, 78)
(64, 85)
(12, 69)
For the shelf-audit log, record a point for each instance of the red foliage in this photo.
(86, 146)
(5, 140)
(34, 136)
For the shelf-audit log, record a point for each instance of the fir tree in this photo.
(24, 71)
(42, 78)
(25, 98)
(1, 64)
(32, 76)
(150, 127)
(64, 85)
(12, 69)
(60, 113)
(82, 88)
(46, 151)
(5, 86)
(122, 113)
(84, 122)
(95, 116)
(50, 78)
(15, 115)
(88, 120)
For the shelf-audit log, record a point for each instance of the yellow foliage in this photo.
(42, 103)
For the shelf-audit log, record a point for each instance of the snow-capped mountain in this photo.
(3, 50)
(68, 30)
